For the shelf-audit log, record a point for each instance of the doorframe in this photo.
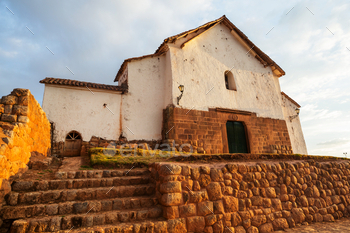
(245, 132)
(65, 140)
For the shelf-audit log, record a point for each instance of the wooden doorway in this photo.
(72, 145)
(236, 137)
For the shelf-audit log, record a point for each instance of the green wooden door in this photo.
(236, 137)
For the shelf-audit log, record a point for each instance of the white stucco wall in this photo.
(75, 108)
(294, 127)
(200, 67)
(149, 93)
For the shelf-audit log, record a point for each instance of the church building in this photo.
(209, 87)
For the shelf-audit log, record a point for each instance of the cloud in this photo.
(335, 142)
(93, 38)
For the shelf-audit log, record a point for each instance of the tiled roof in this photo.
(290, 99)
(260, 55)
(75, 83)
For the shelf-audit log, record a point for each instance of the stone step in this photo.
(44, 185)
(77, 207)
(156, 225)
(70, 222)
(101, 173)
(63, 195)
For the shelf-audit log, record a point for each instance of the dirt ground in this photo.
(66, 164)
(74, 163)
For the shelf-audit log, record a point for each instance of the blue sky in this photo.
(88, 40)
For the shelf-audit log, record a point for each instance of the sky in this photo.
(88, 41)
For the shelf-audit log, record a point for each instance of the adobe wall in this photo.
(201, 63)
(24, 129)
(206, 130)
(294, 126)
(83, 110)
(251, 197)
(149, 93)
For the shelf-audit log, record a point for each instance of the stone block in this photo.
(257, 200)
(214, 191)
(270, 192)
(328, 218)
(204, 180)
(276, 204)
(280, 224)
(169, 169)
(195, 224)
(23, 119)
(171, 199)
(210, 220)
(258, 220)
(12, 199)
(205, 208)
(23, 100)
(186, 171)
(252, 229)
(160, 227)
(216, 175)
(8, 109)
(19, 226)
(22, 186)
(20, 92)
(298, 215)
(266, 228)
(170, 212)
(9, 100)
(170, 187)
(8, 118)
(177, 225)
(230, 204)
(198, 196)
(55, 224)
(61, 175)
(187, 210)
(52, 209)
(20, 110)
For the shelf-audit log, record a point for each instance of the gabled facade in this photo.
(231, 102)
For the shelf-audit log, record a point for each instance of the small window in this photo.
(230, 81)
(73, 135)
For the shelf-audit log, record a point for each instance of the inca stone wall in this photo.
(206, 130)
(263, 197)
(24, 129)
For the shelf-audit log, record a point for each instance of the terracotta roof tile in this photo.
(68, 82)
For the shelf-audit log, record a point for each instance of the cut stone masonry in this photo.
(24, 129)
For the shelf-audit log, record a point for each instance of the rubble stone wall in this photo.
(24, 129)
(261, 198)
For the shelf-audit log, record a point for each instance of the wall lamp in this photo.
(181, 88)
(297, 111)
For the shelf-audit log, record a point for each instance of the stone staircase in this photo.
(85, 201)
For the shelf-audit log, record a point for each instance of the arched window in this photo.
(230, 81)
(73, 135)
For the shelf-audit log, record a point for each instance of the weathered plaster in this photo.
(200, 67)
(76, 108)
(148, 94)
(294, 127)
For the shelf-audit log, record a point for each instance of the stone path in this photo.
(339, 226)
